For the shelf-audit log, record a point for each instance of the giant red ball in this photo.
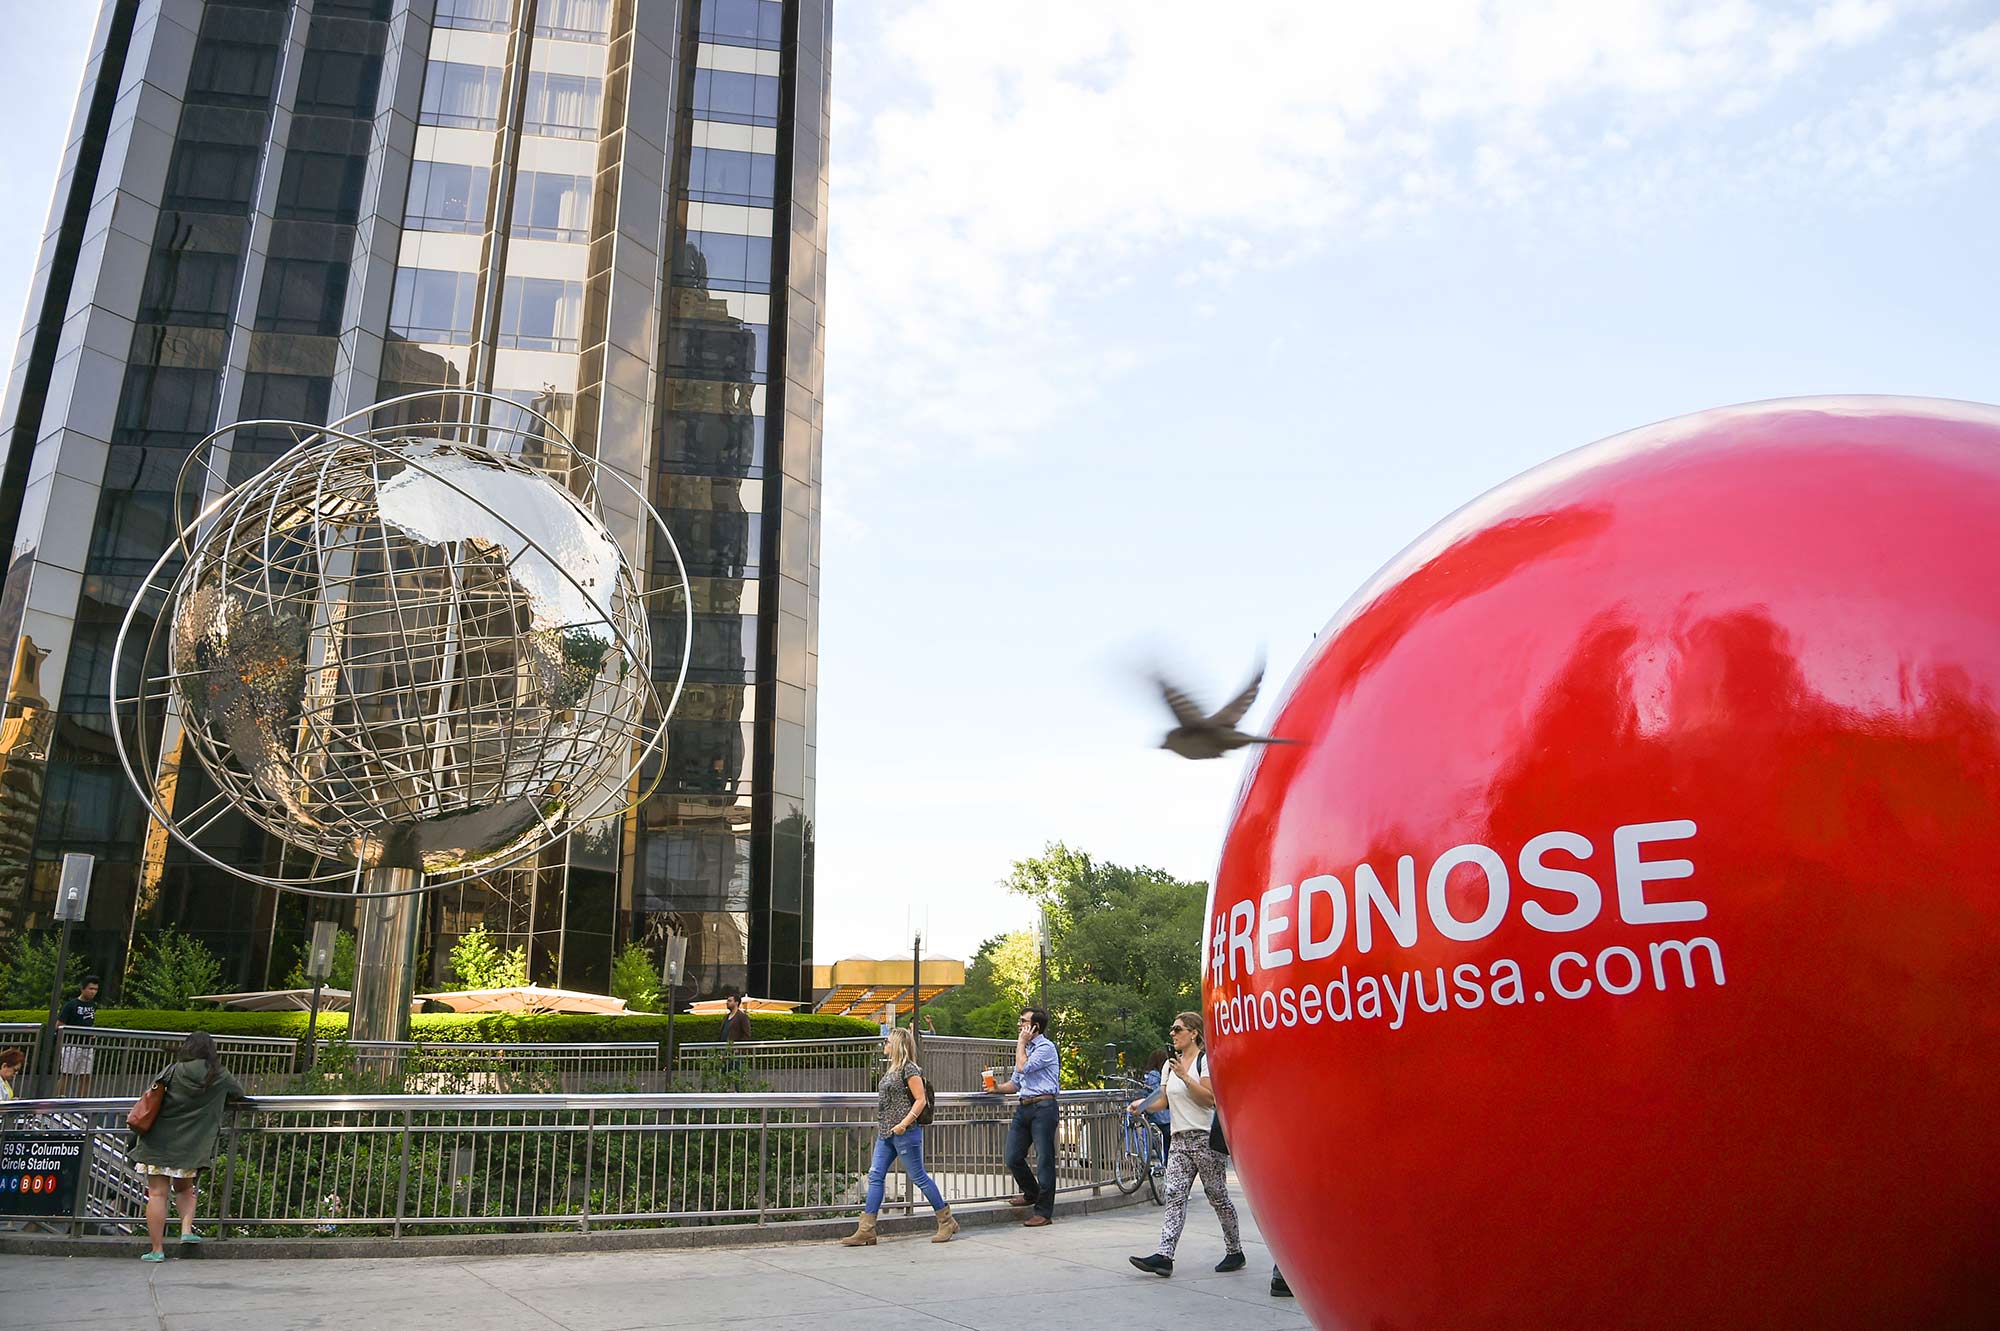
(1619, 947)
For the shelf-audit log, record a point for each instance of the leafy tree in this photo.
(167, 970)
(636, 979)
(998, 982)
(341, 976)
(478, 963)
(1125, 953)
(28, 971)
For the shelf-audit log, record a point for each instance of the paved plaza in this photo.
(1073, 1274)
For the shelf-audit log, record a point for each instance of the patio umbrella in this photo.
(281, 1000)
(711, 1006)
(527, 998)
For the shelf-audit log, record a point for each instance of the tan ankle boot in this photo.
(946, 1227)
(863, 1235)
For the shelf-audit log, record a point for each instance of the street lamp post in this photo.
(319, 965)
(72, 900)
(917, 989)
(1043, 947)
(670, 975)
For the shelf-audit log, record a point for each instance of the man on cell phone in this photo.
(1037, 1079)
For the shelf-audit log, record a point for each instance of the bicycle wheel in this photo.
(1156, 1150)
(1132, 1165)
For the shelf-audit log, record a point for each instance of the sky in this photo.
(1154, 328)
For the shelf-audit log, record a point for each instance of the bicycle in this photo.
(1142, 1150)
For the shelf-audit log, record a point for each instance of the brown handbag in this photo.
(146, 1109)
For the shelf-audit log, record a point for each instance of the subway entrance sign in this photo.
(40, 1173)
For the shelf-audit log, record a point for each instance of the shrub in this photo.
(479, 964)
(27, 974)
(166, 970)
(635, 979)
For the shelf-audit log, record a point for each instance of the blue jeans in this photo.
(910, 1146)
(1037, 1120)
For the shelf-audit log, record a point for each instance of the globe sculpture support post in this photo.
(416, 648)
(385, 955)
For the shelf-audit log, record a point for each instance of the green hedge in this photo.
(522, 1028)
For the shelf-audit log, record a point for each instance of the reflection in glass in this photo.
(433, 305)
(461, 96)
(447, 196)
(540, 314)
(562, 106)
(551, 206)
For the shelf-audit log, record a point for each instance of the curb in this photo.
(987, 1215)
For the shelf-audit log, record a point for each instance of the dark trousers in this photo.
(1039, 1185)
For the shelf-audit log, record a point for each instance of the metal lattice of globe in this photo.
(399, 647)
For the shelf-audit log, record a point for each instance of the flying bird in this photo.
(1197, 736)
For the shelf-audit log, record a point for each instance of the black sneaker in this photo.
(1231, 1262)
(1279, 1289)
(1158, 1264)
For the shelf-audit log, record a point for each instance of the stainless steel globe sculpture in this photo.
(399, 647)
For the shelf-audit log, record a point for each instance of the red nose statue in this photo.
(1620, 947)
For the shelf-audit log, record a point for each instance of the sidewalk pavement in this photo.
(1073, 1274)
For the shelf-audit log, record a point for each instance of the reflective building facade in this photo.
(612, 211)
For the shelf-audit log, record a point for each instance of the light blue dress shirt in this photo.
(1041, 1074)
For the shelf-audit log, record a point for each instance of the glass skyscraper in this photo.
(612, 211)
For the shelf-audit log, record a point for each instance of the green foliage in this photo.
(1125, 954)
(341, 975)
(167, 969)
(482, 1027)
(636, 979)
(27, 972)
(998, 983)
(478, 963)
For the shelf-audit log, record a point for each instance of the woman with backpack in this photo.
(181, 1142)
(901, 1103)
(1186, 1096)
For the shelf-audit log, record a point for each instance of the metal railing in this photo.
(390, 1165)
(788, 1066)
(953, 1063)
(108, 1060)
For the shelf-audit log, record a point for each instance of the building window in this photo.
(302, 296)
(743, 22)
(723, 262)
(432, 305)
(446, 196)
(719, 175)
(740, 99)
(550, 206)
(562, 106)
(213, 177)
(540, 314)
(713, 443)
(164, 406)
(322, 187)
(189, 287)
(227, 73)
(473, 15)
(461, 96)
(715, 544)
(574, 20)
(338, 83)
(716, 349)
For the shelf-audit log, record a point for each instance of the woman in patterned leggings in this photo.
(1185, 1094)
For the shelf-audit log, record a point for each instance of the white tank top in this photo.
(1187, 1114)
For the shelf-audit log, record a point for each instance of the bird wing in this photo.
(1185, 711)
(1238, 707)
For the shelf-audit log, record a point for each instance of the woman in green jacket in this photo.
(181, 1142)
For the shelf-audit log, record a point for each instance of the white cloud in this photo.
(995, 164)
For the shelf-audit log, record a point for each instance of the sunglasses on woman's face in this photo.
(1176, 1030)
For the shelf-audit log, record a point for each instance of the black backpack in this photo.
(929, 1111)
